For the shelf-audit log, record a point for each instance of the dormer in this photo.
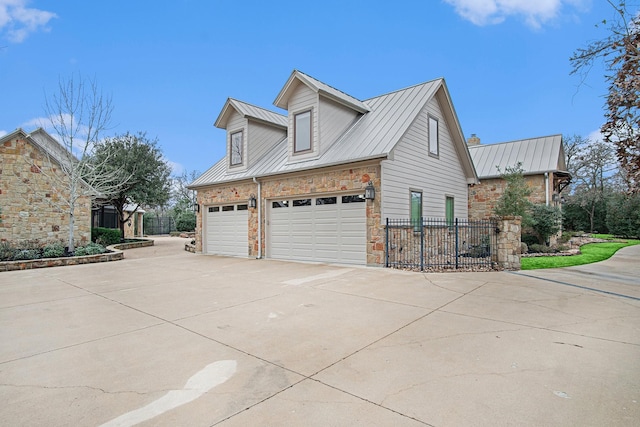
(251, 132)
(317, 115)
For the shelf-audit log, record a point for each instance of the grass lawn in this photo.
(591, 252)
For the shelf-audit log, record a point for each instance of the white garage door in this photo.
(325, 229)
(227, 230)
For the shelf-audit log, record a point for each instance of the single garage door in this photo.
(324, 229)
(227, 230)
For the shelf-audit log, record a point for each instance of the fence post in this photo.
(457, 252)
(421, 244)
(386, 245)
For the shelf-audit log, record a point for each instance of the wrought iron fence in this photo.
(158, 224)
(438, 243)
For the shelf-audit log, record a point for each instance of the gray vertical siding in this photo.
(411, 167)
(334, 120)
(303, 98)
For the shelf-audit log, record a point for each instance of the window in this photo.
(302, 202)
(214, 209)
(243, 207)
(433, 137)
(227, 208)
(302, 132)
(449, 212)
(236, 148)
(281, 204)
(416, 209)
(326, 200)
(353, 199)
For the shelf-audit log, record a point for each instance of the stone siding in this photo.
(508, 241)
(484, 196)
(31, 193)
(326, 181)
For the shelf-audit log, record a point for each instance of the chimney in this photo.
(473, 140)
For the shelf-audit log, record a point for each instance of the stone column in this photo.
(508, 242)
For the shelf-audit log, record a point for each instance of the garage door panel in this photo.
(227, 232)
(326, 232)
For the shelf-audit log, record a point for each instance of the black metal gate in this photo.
(440, 244)
(154, 225)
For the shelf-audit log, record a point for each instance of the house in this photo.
(33, 191)
(107, 216)
(317, 182)
(542, 160)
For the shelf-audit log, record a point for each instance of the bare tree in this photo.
(78, 113)
(620, 52)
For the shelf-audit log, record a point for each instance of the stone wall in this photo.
(508, 241)
(330, 180)
(32, 194)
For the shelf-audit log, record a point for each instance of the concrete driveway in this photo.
(166, 337)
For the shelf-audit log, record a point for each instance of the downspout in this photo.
(259, 205)
(546, 188)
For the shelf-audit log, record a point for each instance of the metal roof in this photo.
(537, 155)
(250, 111)
(374, 135)
(319, 87)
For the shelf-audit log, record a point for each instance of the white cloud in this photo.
(534, 12)
(176, 168)
(3, 133)
(595, 136)
(17, 21)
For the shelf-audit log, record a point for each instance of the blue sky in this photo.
(170, 65)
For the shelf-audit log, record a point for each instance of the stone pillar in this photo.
(508, 241)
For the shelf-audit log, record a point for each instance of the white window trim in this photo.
(311, 142)
(432, 152)
(242, 153)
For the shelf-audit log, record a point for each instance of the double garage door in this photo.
(324, 229)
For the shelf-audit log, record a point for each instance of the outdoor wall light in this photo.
(196, 207)
(252, 201)
(369, 191)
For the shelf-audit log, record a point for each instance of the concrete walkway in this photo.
(170, 338)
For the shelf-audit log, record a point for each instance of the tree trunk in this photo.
(71, 248)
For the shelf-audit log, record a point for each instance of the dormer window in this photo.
(302, 132)
(236, 148)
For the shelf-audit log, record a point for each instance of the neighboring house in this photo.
(292, 186)
(31, 186)
(542, 160)
(107, 216)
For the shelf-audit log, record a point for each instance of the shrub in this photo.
(529, 239)
(514, 198)
(545, 221)
(53, 250)
(26, 254)
(623, 215)
(106, 236)
(186, 221)
(7, 251)
(90, 249)
(524, 248)
(543, 249)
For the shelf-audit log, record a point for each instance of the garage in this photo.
(323, 229)
(227, 230)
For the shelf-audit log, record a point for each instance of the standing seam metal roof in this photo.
(537, 155)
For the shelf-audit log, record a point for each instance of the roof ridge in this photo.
(405, 88)
(256, 106)
(515, 140)
(332, 87)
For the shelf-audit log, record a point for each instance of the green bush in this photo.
(53, 250)
(623, 215)
(106, 236)
(545, 221)
(542, 249)
(7, 251)
(186, 221)
(90, 249)
(529, 239)
(26, 254)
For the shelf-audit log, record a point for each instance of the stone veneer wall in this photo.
(330, 180)
(28, 198)
(484, 196)
(508, 241)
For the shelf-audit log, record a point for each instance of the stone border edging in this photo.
(115, 254)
